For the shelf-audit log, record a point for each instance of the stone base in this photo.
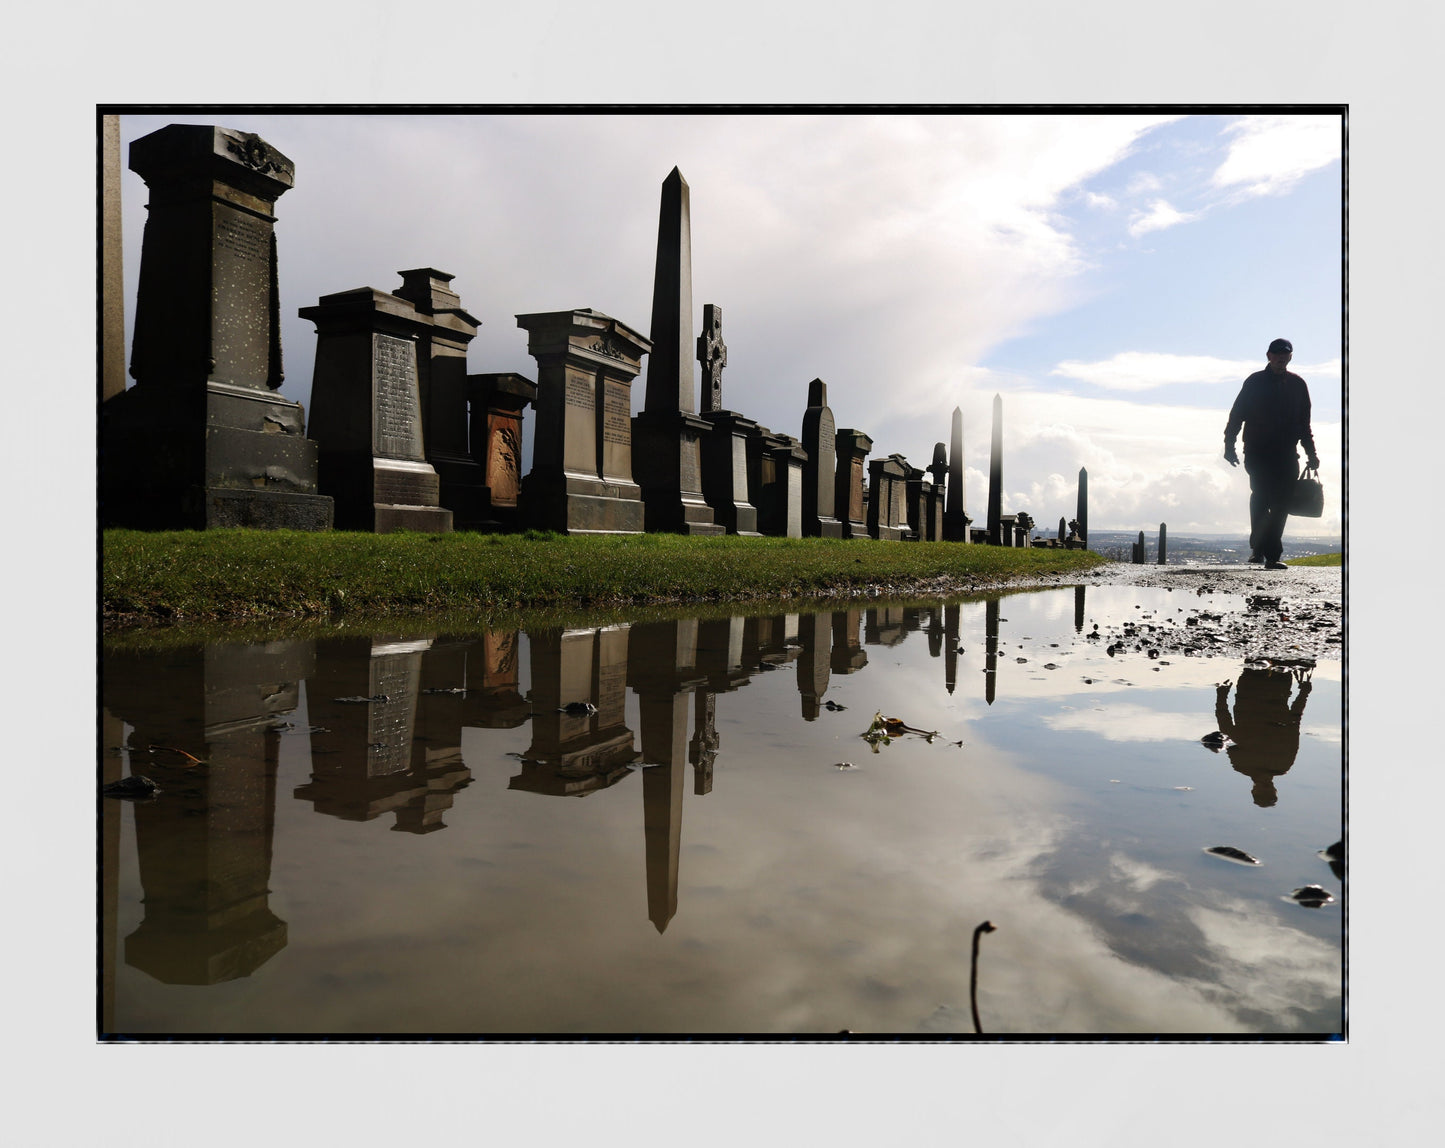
(265, 509)
(888, 534)
(826, 528)
(668, 513)
(850, 529)
(572, 505)
(955, 527)
(422, 519)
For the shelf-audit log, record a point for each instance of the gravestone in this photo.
(1006, 532)
(819, 472)
(917, 492)
(204, 439)
(1082, 516)
(668, 432)
(581, 477)
(112, 281)
(441, 360)
(851, 447)
(995, 477)
(1163, 542)
(887, 477)
(725, 447)
(1063, 534)
(775, 482)
(496, 403)
(1139, 550)
(938, 470)
(366, 413)
(955, 518)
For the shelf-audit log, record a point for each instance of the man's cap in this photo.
(1281, 347)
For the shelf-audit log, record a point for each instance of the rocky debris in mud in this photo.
(133, 788)
(1311, 896)
(1230, 853)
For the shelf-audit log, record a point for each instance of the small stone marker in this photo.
(204, 439)
(581, 477)
(366, 413)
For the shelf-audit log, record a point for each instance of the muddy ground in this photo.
(1281, 616)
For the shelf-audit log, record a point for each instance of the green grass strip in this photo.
(1318, 560)
(240, 575)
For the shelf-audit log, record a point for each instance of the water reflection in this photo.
(384, 724)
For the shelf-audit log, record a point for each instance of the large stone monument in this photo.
(995, 477)
(1082, 517)
(725, 448)
(668, 432)
(851, 447)
(441, 361)
(820, 441)
(581, 477)
(204, 438)
(496, 404)
(955, 518)
(366, 413)
(887, 486)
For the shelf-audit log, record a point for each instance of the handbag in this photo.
(1308, 497)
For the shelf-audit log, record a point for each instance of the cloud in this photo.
(1136, 371)
(1159, 216)
(1270, 154)
(1144, 181)
(1104, 202)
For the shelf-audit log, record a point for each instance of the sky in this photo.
(1112, 277)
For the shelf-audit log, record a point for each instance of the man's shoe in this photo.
(1256, 556)
(1275, 566)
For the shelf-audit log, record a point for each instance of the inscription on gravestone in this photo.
(241, 291)
(398, 409)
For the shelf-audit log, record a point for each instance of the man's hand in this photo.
(1229, 455)
(1313, 463)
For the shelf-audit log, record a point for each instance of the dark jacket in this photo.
(1275, 413)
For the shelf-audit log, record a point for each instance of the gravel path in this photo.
(1283, 616)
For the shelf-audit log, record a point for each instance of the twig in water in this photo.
(986, 927)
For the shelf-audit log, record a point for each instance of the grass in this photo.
(245, 575)
(1318, 560)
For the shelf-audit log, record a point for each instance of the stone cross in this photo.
(712, 354)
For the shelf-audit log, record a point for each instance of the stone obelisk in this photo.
(666, 436)
(1082, 515)
(955, 518)
(995, 475)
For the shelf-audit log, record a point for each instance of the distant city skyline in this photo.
(1112, 277)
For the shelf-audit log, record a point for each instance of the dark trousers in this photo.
(1271, 483)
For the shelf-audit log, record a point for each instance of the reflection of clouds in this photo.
(1125, 721)
(1138, 875)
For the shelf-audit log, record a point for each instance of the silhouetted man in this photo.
(1265, 728)
(1274, 408)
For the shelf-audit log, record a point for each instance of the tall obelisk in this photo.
(666, 436)
(995, 474)
(1082, 516)
(955, 519)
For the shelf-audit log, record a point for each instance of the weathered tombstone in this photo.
(1083, 512)
(1023, 529)
(955, 520)
(203, 439)
(1063, 534)
(938, 509)
(775, 482)
(441, 360)
(995, 476)
(917, 492)
(366, 413)
(1005, 533)
(725, 447)
(496, 403)
(668, 432)
(581, 477)
(1163, 539)
(886, 486)
(1139, 549)
(851, 448)
(819, 472)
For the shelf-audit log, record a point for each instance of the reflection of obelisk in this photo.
(990, 649)
(666, 436)
(955, 518)
(950, 646)
(1079, 609)
(995, 475)
(1083, 512)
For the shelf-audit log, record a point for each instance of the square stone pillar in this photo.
(725, 471)
(497, 403)
(851, 447)
(366, 413)
(581, 477)
(203, 439)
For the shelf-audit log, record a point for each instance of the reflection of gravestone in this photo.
(574, 754)
(366, 413)
(497, 402)
(884, 625)
(815, 631)
(668, 432)
(204, 847)
(851, 447)
(204, 439)
(441, 352)
(725, 447)
(848, 656)
(820, 441)
(581, 476)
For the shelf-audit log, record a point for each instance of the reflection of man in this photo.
(1274, 408)
(1265, 727)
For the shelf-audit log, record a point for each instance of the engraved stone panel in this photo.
(579, 422)
(241, 297)
(690, 464)
(617, 430)
(397, 677)
(396, 413)
(795, 501)
(855, 489)
(504, 459)
(822, 453)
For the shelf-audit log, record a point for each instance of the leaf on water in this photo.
(194, 760)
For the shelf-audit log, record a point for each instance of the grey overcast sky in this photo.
(1114, 277)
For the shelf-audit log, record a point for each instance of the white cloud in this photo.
(1159, 216)
(1144, 181)
(1136, 371)
(1104, 202)
(1270, 154)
